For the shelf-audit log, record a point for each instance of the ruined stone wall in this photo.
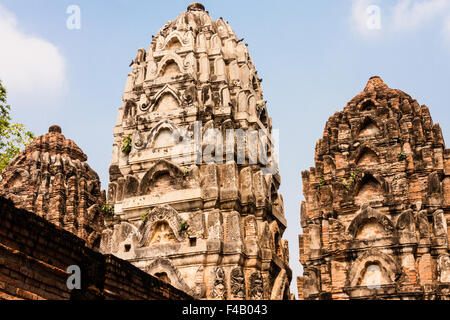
(35, 255)
(376, 210)
(213, 229)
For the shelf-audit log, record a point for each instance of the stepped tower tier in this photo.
(52, 179)
(377, 203)
(208, 222)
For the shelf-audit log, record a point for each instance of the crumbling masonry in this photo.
(377, 203)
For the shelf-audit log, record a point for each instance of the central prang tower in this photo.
(211, 228)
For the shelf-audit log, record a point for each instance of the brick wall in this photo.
(35, 254)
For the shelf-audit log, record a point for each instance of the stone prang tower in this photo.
(375, 218)
(211, 228)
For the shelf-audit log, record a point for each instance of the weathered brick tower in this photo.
(377, 203)
(211, 229)
(52, 179)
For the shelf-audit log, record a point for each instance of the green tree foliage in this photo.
(13, 136)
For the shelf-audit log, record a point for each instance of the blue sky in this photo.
(314, 56)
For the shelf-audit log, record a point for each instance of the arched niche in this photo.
(170, 65)
(369, 128)
(163, 135)
(166, 104)
(165, 268)
(166, 100)
(370, 224)
(373, 276)
(161, 226)
(367, 105)
(373, 268)
(372, 229)
(171, 68)
(163, 139)
(161, 178)
(173, 43)
(162, 234)
(368, 190)
(366, 156)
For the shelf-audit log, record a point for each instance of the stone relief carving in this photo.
(219, 291)
(440, 223)
(200, 286)
(256, 286)
(237, 283)
(162, 225)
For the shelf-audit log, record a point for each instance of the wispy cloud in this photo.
(409, 15)
(398, 17)
(29, 65)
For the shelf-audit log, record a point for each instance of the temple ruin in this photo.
(52, 179)
(211, 228)
(377, 203)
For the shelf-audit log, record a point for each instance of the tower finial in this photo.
(196, 6)
(55, 128)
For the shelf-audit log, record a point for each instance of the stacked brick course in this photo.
(35, 255)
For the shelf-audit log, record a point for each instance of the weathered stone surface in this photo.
(209, 218)
(52, 179)
(375, 219)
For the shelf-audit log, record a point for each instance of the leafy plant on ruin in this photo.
(186, 171)
(145, 215)
(127, 144)
(184, 226)
(350, 182)
(322, 183)
(13, 136)
(108, 209)
(402, 155)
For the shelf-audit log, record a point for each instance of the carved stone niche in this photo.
(219, 288)
(370, 224)
(443, 269)
(237, 284)
(162, 225)
(167, 272)
(256, 288)
(372, 273)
